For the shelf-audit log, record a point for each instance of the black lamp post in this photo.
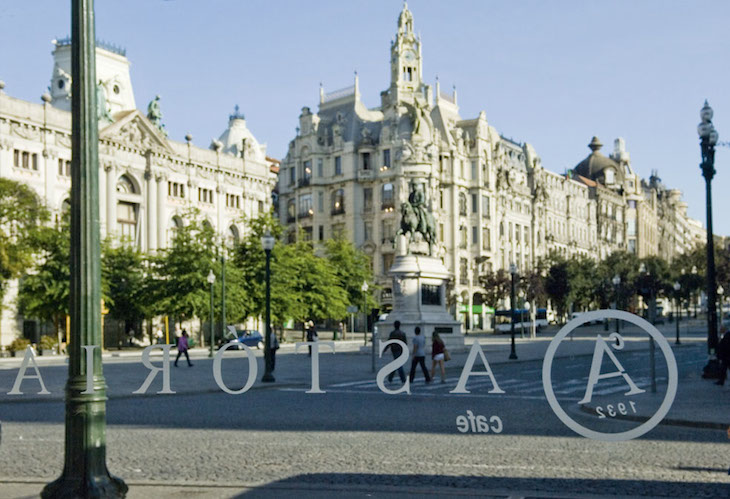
(211, 281)
(677, 307)
(513, 272)
(267, 243)
(720, 293)
(223, 294)
(85, 473)
(708, 139)
(616, 283)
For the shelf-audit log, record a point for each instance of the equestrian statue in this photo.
(416, 218)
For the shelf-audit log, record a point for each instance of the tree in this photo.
(352, 268)
(496, 287)
(557, 284)
(22, 215)
(123, 274)
(44, 293)
(583, 281)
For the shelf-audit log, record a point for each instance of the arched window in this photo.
(609, 176)
(387, 197)
(172, 228)
(338, 202)
(462, 204)
(125, 185)
(233, 235)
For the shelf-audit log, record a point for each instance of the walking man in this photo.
(396, 350)
(419, 355)
(723, 354)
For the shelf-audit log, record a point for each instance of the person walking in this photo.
(438, 355)
(723, 355)
(274, 345)
(419, 356)
(182, 348)
(396, 350)
(311, 335)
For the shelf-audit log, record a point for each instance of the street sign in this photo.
(352, 309)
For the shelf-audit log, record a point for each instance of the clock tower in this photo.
(405, 59)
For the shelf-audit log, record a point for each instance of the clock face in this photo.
(409, 56)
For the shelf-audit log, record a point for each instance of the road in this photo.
(280, 441)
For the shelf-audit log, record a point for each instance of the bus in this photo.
(520, 318)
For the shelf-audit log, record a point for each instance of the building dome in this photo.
(237, 136)
(599, 167)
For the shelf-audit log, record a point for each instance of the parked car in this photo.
(248, 337)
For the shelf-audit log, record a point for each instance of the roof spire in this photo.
(595, 144)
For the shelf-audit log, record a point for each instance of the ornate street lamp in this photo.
(616, 283)
(678, 307)
(211, 281)
(708, 139)
(650, 312)
(513, 272)
(267, 243)
(85, 473)
(720, 292)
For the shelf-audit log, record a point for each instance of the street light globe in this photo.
(642, 268)
(211, 277)
(512, 268)
(527, 306)
(267, 241)
(616, 280)
(364, 287)
(720, 290)
(677, 286)
(713, 136)
(694, 269)
(706, 112)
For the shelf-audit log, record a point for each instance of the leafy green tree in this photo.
(624, 265)
(496, 287)
(352, 268)
(179, 286)
(583, 281)
(557, 284)
(44, 293)
(22, 215)
(123, 274)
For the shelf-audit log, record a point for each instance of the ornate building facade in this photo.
(146, 180)
(350, 167)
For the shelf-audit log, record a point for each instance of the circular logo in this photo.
(637, 321)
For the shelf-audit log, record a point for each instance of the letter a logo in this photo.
(595, 374)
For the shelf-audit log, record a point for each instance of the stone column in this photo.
(111, 199)
(161, 212)
(151, 210)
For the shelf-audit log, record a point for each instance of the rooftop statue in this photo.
(102, 110)
(154, 114)
(416, 218)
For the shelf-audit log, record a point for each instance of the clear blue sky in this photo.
(551, 73)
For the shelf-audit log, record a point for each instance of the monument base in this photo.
(419, 300)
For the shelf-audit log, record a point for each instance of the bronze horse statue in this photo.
(410, 223)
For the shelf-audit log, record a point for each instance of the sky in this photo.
(550, 73)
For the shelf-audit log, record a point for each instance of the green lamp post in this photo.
(211, 281)
(513, 272)
(85, 473)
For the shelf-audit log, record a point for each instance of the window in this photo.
(486, 239)
(338, 231)
(127, 220)
(291, 210)
(632, 245)
(305, 206)
(233, 235)
(320, 167)
(387, 197)
(338, 202)
(366, 161)
(261, 207)
(474, 170)
(367, 231)
(64, 167)
(517, 232)
(441, 199)
(527, 235)
(474, 203)
(367, 199)
(205, 195)
(631, 227)
(292, 175)
(306, 173)
(321, 232)
(175, 224)
(463, 271)
(485, 206)
(320, 202)
(387, 231)
(632, 204)
(175, 190)
(430, 294)
(25, 160)
(462, 204)
(338, 165)
(609, 176)
(306, 233)
(441, 232)
(387, 261)
(386, 158)
(463, 237)
(475, 234)
(233, 201)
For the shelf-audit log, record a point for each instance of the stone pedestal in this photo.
(419, 299)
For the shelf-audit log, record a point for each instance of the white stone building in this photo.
(350, 167)
(146, 180)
